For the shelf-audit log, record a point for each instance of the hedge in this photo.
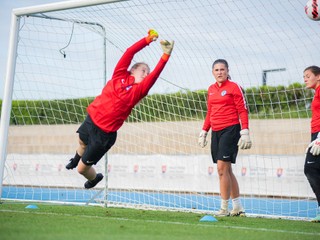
(264, 102)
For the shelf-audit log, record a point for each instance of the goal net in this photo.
(62, 54)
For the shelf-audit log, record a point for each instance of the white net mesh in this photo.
(64, 58)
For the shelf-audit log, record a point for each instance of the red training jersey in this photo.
(111, 108)
(226, 104)
(315, 109)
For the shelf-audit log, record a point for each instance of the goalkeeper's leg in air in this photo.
(93, 144)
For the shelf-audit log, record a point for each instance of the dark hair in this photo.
(314, 69)
(223, 62)
(220, 61)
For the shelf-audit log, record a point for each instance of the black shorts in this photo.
(224, 144)
(98, 142)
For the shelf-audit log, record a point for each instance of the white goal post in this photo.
(11, 63)
(62, 54)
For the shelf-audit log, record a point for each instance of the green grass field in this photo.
(94, 223)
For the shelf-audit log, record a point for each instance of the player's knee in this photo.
(221, 171)
(82, 171)
(82, 144)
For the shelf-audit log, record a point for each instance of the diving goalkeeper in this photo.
(109, 110)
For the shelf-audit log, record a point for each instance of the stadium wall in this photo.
(288, 136)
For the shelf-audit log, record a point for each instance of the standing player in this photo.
(110, 109)
(311, 77)
(226, 104)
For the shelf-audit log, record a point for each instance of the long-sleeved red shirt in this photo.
(226, 104)
(111, 108)
(315, 109)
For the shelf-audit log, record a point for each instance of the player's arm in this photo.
(239, 99)
(150, 80)
(202, 140)
(125, 61)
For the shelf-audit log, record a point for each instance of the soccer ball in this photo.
(312, 10)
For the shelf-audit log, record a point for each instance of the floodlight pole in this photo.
(264, 74)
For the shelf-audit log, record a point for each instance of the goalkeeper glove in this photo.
(315, 147)
(152, 36)
(167, 46)
(244, 141)
(203, 138)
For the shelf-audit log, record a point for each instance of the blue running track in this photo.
(292, 208)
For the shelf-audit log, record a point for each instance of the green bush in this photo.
(34, 112)
(279, 102)
(265, 102)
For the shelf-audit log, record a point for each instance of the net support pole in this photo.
(106, 172)
(7, 97)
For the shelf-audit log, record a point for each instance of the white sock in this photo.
(236, 203)
(224, 204)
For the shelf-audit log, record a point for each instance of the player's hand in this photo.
(167, 46)
(244, 141)
(203, 138)
(315, 147)
(152, 36)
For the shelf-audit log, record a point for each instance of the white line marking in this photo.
(166, 222)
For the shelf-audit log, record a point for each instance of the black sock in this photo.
(77, 157)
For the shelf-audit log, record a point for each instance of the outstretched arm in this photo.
(166, 48)
(150, 80)
(125, 61)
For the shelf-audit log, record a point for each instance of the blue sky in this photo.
(6, 7)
